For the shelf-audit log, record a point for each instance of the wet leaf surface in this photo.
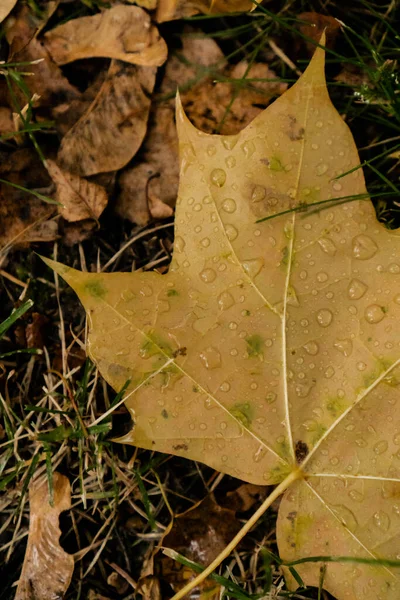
(270, 347)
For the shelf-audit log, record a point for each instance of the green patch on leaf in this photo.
(275, 164)
(335, 406)
(172, 292)
(155, 344)
(255, 345)
(243, 413)
(96, 288)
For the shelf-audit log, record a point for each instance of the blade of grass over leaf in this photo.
(15, 315)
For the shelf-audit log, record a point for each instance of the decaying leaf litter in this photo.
(58, 432)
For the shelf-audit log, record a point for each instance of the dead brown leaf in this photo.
(111, 131)
(168, 10)
(81, 199)
(313, 24)
(200, 533)
(245, 497)
(23, 217)
(47, 80)
(122, 32)
(47, 569)
(6, 7)
(147, 4)
(35, 331)
(205, 104)
(209, 105)
(6, 120)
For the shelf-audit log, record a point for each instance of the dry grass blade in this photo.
(47, 568)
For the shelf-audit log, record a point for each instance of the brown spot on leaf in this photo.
(301, 451)
(181, 447)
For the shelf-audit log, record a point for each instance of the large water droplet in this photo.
(253, 266)
(179, 244)
(356, 495)
(330, 371)
(322, 277)
(127, 295)
(311, 348)
(147, 291)
(258, 193)
(230, 141)
(231, 232)
(327, 246)
(225, 301)
(324, 317)
(347, 517)
(374, 313)
(248, 148)
(229, 205)
(381, 447)
(211, 358)
(321, 169)
(225, 386)
(344, 346)
(218, 177)
(364, 247)
(208, 275)
(303, 389)
(211, 150)
(356, 289)
(382, 520)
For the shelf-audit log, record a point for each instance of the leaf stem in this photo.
(282, 487)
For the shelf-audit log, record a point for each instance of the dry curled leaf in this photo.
(24, 218)
(80, 199)
(168, 10)
(121, 32)
(313, 24)
(206, 104)
(200, 534)
(270, 350)
(47, 569)
(110, 132)
(47, 79)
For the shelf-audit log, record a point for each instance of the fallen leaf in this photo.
(80, 199)
(47, 80)
(199, 534)
(270, 350)
(168, 10)
(245, 497)
(313, 25)
(206, 104)
(147, 4)
(6, 7)
(75, 233)
(23, 217)
(6, 120)
(209, 105)
(35, 331)
(47, 569)
(121, 32)
(110, 132)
